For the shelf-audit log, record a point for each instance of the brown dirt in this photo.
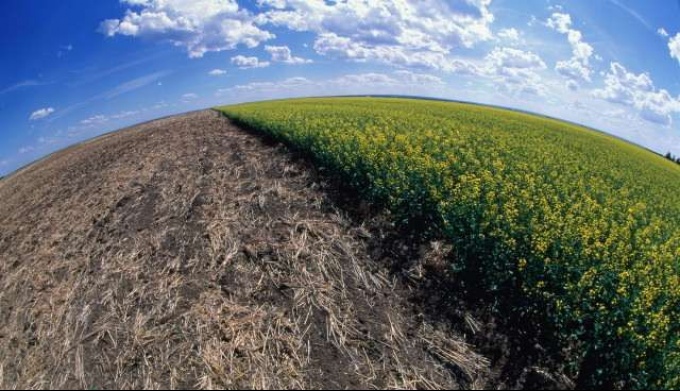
(186, 253)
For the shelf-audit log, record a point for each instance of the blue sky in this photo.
(74, 69)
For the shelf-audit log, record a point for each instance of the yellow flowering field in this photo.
(560, 224)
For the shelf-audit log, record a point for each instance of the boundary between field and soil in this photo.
(417, 267)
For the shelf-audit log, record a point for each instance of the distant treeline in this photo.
(672, 158)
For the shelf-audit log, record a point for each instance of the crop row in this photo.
(557, 223)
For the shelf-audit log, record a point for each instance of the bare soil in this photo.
(187, 253)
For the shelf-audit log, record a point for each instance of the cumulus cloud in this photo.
(42, 113)
(284, 55)
(217, 72)
(573, 69)
(515, 70)
(638, 92)
(514, 58)
(559, 22)
(662, 32)
(335, 46)
(199, 26)
(398, 32)
(510, 34)
(244, 62)
(409, 77)
(577, 68)
(674, 47)
(463, 67)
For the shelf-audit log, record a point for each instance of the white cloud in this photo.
(559, 22)
(409, 77)
(283, 54)
(532, 21)
(189, 96)
(101, 119)
(25, 150)
(200, 26)
(662, 32)
(514, 58)
(22, 85)
(674, 47)
(463, 67)
(333, 45)
(633, 14)
(287, 84)
(135, 84)
(577, 68)
(244, 62)
(510, 34)
(396, 82)
(515, 70)
(42, 113)
(125, 114)
(217, 72)
(573, 69)
(47, 140)
(123, 88)
(412, 33)
(639, 92)
(95, 120)
(380, 79)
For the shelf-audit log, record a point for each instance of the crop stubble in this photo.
(187, 253)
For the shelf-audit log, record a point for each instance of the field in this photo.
(549, 223)
(188, 253)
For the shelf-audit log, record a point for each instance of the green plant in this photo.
(558, 223)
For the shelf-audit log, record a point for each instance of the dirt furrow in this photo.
(187, 253)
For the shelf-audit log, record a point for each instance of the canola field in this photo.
(560, 224)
